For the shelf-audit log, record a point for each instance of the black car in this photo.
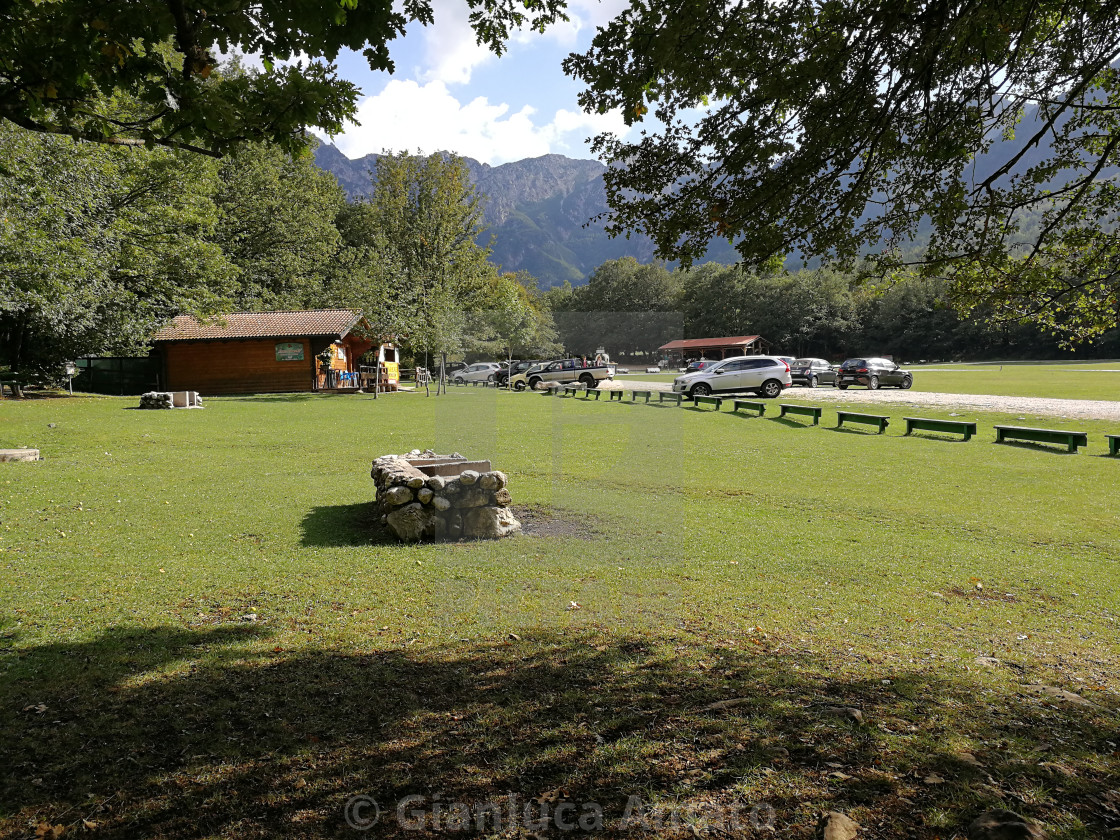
(873, 373)
(812, 372)
(503, 374)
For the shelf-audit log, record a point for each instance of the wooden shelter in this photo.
(718, 348)
(260, 352)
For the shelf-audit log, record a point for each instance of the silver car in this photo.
(479, 372)
(766, 375)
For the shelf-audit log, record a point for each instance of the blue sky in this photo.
(448, 94)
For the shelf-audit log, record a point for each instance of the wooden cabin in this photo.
(263, 352)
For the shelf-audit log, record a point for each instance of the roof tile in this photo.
(291, 324)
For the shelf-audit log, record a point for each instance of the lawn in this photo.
(201, 634)
(1074, 381)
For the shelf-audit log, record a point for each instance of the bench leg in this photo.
(1113, 446)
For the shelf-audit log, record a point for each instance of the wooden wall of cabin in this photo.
(244, 366)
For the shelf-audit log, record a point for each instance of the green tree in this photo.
(59, 61)
(512, 319)
(99, 247)
(626, 307)
(276, 223)
(429, 216)
(988, 130)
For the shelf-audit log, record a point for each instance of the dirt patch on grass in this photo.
(544, 521)
(982, 594)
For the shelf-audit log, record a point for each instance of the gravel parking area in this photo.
(1039, 406)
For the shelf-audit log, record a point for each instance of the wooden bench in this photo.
(574, 389)
(669, 395)
(929, 424)
(634, 395)
(587, 392)
(870, 419)
(614, 395)
(808, 410)
(1113, 444)
(716, 401)
(750, 405)
(1072, 440)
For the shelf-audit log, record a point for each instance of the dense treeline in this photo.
(631, 309)
(100, 246)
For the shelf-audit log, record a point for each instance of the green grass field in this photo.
(1080, 381)
(201, 635)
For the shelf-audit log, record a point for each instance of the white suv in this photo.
(767, 375)
(480, 372)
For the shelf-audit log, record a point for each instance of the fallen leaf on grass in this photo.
(573, 606)
(726, 704)
(46, 831)
(933, 779)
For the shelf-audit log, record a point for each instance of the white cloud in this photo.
(407, 116)
(450, 51)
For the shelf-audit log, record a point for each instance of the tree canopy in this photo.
(63, 61)
(986, 133)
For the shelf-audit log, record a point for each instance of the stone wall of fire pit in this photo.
(426, 496)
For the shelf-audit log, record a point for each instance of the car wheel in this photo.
(873, 383)
(701, 390)
(812, 383)
(587, 379)
(907, 381)
(491, 378)
(458, 380)
(771, 389)
(520, 386)
(843, 386)
(534, 383)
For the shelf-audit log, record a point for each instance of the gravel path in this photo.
(1039, 406)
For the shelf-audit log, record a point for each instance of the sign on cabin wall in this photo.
(289, 351)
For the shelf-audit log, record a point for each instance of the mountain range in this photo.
(540, 212)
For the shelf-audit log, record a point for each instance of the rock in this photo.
(472, 498)
(19, 454)
(1049, 692)
(392, 469)
(424, 495)
(489, 522)
(440, 503)
(1003, 825)
(397, 496)
(987, 661)
(503, 498)
(416, 482)
(494, 480)
(437, 482)
(845, 712)
(453, 487)
(468, 477)
(412, 523)
(837, 826)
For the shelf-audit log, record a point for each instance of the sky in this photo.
(448, 94)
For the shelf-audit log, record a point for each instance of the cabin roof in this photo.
(697, 343)
(287, 324)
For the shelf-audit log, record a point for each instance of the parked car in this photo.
(873, 373)
(561, 372)
(812, 372)
(767, 375)
(478, 372)
(699, 364)
(505, 371)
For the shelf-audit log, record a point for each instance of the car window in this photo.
(803, 363)
(739, 365)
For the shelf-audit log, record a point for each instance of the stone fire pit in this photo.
(427, 496)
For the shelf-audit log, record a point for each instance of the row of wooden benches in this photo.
(1071, 439)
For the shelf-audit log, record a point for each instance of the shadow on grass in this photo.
(790, 423)
(300, 397)
(174, 733)
(341, 525)
(1052, 448)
